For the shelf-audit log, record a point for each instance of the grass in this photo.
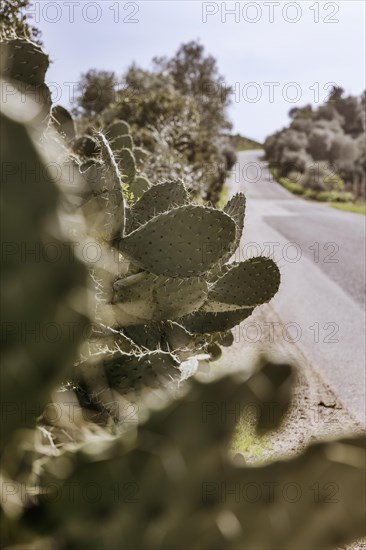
(292, 186)
(224, 195)
(248, 147)
(248, 442)
(355, 207)
(336, 199)
(241, 143)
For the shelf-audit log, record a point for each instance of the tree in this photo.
(336, 94)
(196, 74)
(301, 112)
(330, 135)
(96, 91)
(15, 21)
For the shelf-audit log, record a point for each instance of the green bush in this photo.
(355, 207)
(291, 186)
(323, 196)
(325, 144)
(335, 196)
(310, 194)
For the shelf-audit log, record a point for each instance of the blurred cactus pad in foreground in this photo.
(118, 292)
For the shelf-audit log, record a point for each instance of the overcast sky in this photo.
(275, 54)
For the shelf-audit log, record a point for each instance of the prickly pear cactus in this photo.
(63, 123)
(189, 240)
(85, 147)
(23, 61)
(23, 65)
(155, 200)
(202, 322)
(127, 165)
(161, 257)
(147, 297)
(117, 129)
(164, 258)
(235, 208)
(104, 203)
(170, 482)
(140, 185)
(236, 289)
(128, 157)
(110, 469)
(42, 282)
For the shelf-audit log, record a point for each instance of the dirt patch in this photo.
(316, 414)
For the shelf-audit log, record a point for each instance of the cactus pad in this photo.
(147, 337)
(122, 142)
(86, 147)
(104, 209)
(23, 61)
(139, 186)
(159, 198)
(116, 129)
(202, 322)
(147, 297)
(183, 242)
(225, 339)
(127, 374)
(127, 165)
(140, 154)
(63, 122)
(235, 208)
(167, 336)
(24, 65)
(246, 284)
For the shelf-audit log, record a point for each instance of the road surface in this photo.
(321, 255)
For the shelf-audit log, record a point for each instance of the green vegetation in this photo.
(241, 143)
(325, 148)
(15, 22)
(106, 443)
(224, 195)
(334, 197)
(176, 111)
(159, 299)
(292, 186)
(248, 442)
(356, 207)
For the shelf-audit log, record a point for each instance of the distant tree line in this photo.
(323, 148)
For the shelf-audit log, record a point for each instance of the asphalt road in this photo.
(321, 255)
